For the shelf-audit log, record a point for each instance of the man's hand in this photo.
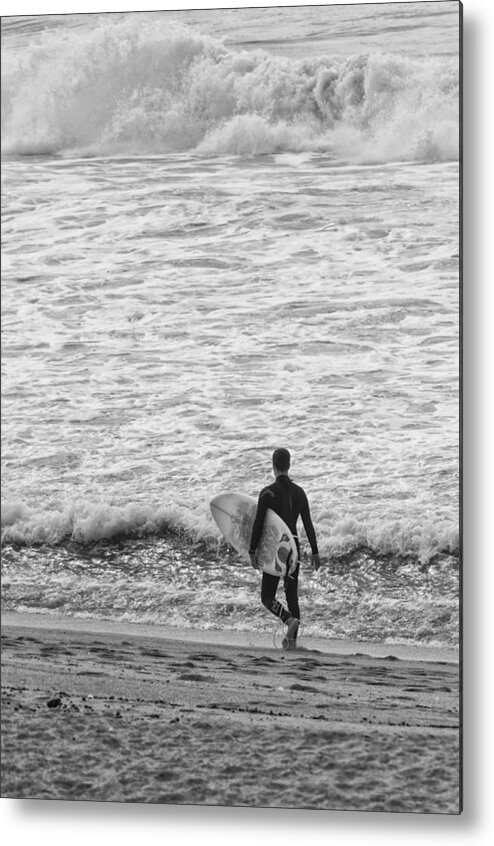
(253, 560)
(316, 561)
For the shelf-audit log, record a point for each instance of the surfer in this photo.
(289, 501)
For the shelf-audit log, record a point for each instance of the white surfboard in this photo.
(235, 513)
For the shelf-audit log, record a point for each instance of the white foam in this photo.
(88, 522)
(141, 85)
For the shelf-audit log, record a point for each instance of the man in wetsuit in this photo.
(289, 501)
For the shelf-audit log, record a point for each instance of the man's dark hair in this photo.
(281, 460)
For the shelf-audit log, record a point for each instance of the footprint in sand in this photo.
(196, 677)
(204, 656)
(264, 660)
(153, 653)
(89, 673)
(304, 687)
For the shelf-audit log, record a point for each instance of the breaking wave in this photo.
(140, 86)
(88, 522)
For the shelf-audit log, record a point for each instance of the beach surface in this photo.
(122, 713)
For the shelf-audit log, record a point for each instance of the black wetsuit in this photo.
(290, 502)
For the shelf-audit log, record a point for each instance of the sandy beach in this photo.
(122, 715)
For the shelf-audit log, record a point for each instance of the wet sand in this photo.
(122, 715)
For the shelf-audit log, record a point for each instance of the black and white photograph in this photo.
(231, 407)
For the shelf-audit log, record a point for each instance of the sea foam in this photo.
(142, 86)
(89, 522)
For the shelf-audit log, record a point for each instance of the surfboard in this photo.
(234, 514)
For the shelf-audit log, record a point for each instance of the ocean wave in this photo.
(89, 522)
(359, 596)
(140, 86)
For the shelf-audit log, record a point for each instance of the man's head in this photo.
(281, 461)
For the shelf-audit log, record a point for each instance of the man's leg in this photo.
(269, 586)
(291, 593)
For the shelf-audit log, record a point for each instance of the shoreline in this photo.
(122, 714)
(229, 637)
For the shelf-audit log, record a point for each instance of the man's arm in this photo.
(310, 532)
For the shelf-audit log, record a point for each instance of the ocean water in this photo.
(223, 232)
